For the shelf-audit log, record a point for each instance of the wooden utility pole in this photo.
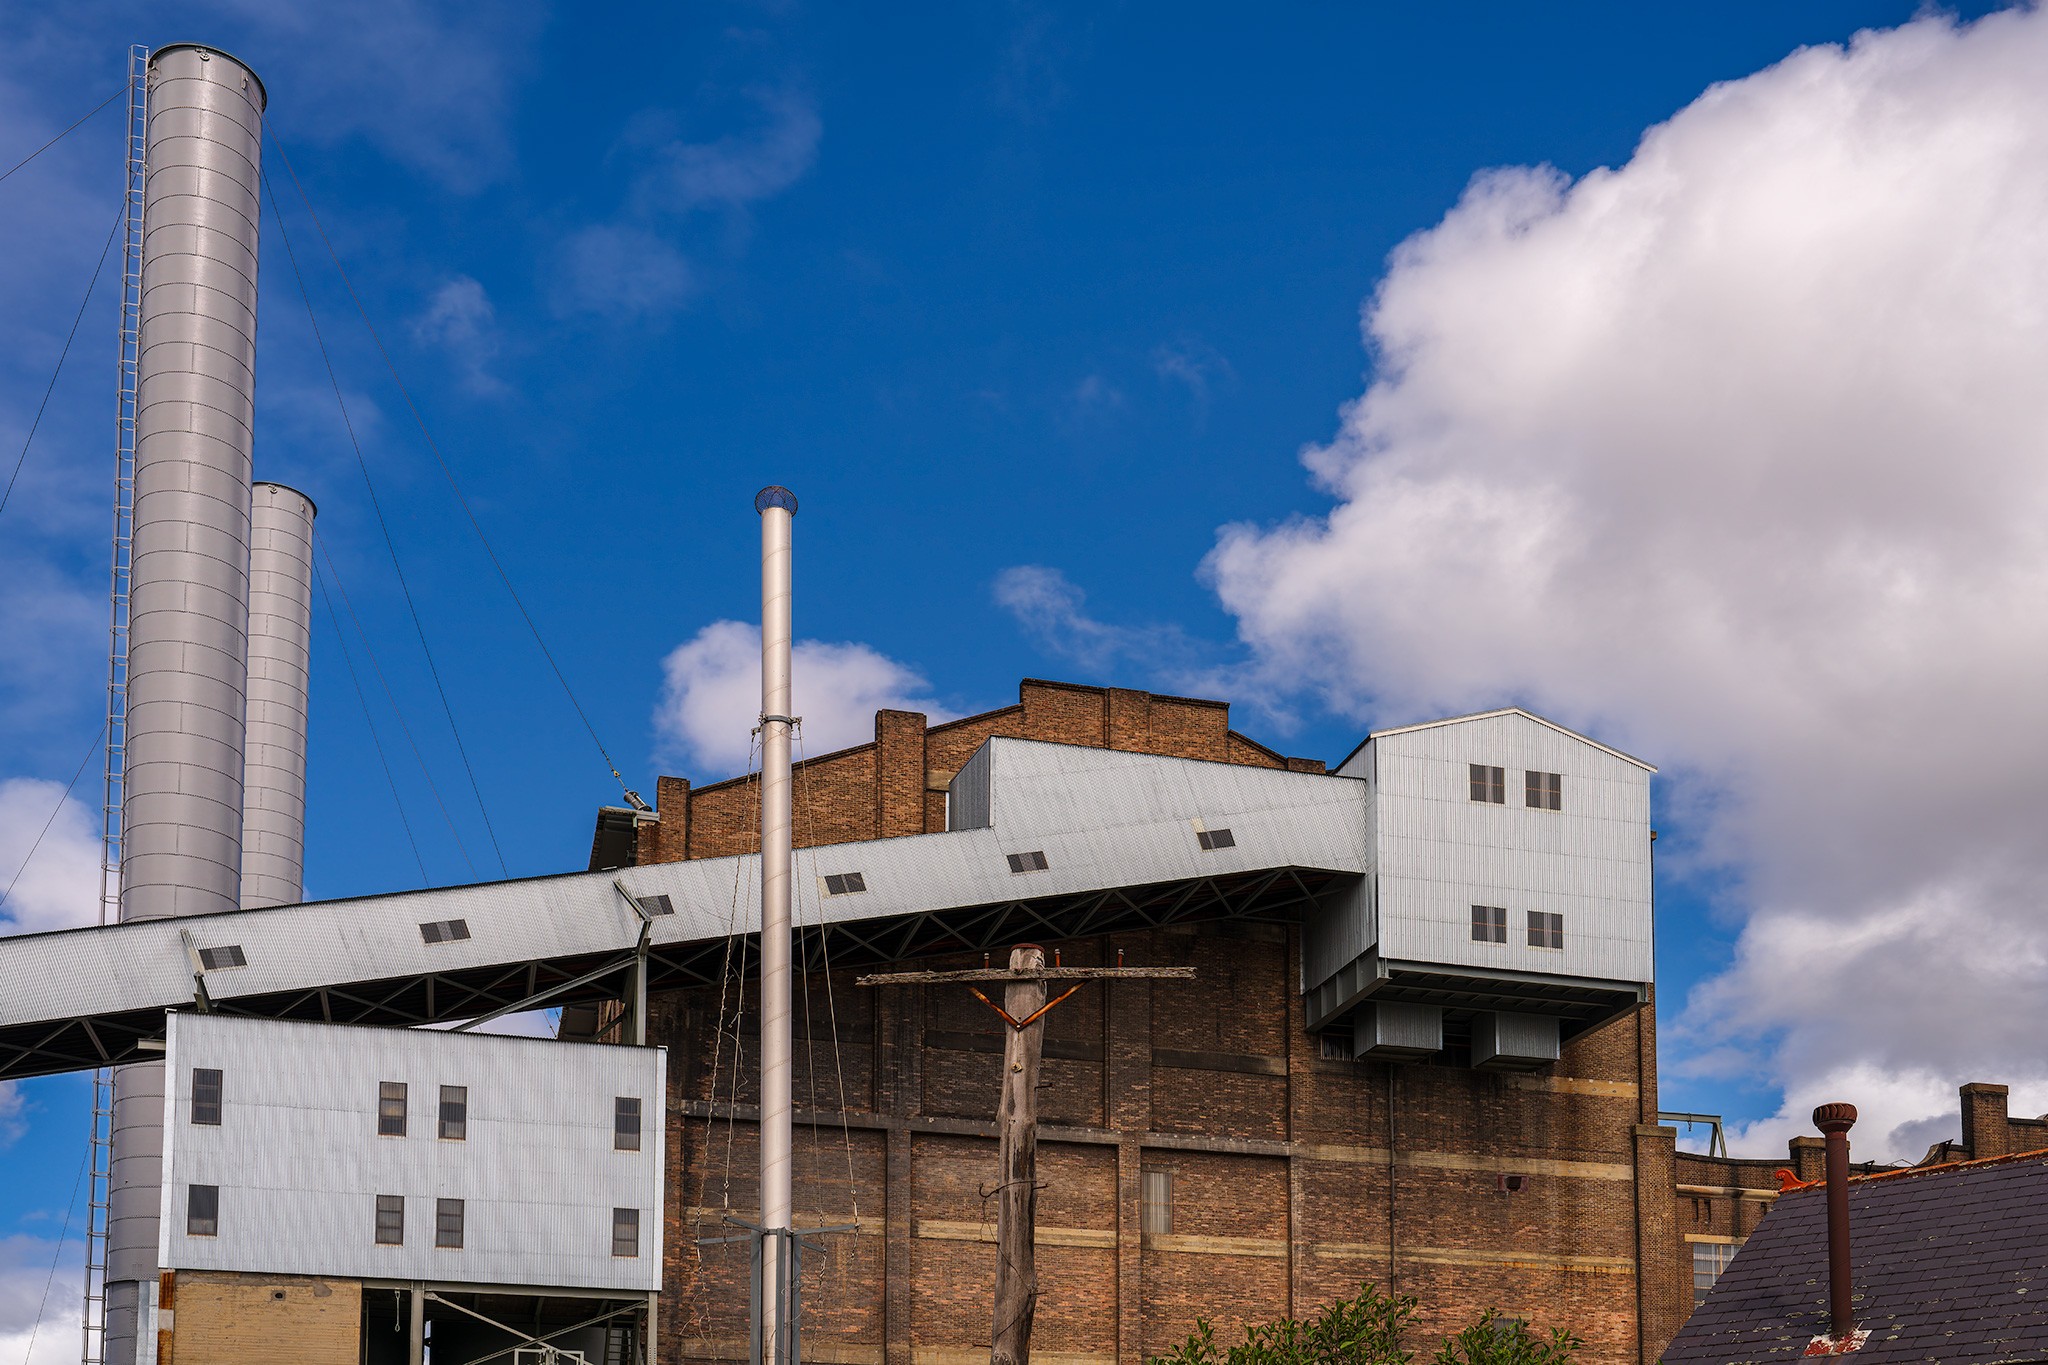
(1024, 1009)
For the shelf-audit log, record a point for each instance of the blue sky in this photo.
(1027, 303)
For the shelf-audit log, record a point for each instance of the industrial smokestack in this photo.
(1834, 1122)
(181, 820)
(777, 507)
(280, 640)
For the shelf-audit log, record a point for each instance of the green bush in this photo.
(1367, 1330)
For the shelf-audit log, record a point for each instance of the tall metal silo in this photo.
(280, 641)
(189, 599)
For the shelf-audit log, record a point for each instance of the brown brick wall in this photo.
(223, 1318)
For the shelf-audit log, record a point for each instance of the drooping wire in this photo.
(831, 1005)
(66, 133)
(390, 545)
(56, 1257)
(461, 499)
(90, 750)
(342, 640)
(41, 407)
(370, 650)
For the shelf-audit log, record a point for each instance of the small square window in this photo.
(448, 1224)
(1155, 1203)
(444, 931)
(202, 1211)
(1489, 924)
(390, 1220)
(206, 1096)
(1543, 791)
(391, 1109)
(1546, 929)
(625, 1232)
(455, 1112)
(1489, 784)
(1334, 1047)
(214, 959)
(1213, 839)
(845, 883)
(626, 1123)
(1027, 862)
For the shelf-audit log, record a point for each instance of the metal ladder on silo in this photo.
(92, 1349)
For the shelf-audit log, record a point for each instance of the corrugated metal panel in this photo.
(967, 794)
(299, 1163)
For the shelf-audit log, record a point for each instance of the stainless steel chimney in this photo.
(280, 638)
(189, 607)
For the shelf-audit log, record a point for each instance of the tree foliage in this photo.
(1368, 1330)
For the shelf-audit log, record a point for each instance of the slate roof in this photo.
(1949, 1263)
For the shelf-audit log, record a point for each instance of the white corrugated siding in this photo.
(299, 1163)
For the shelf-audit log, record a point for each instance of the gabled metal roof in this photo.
(1119, 832)
(1570, 733)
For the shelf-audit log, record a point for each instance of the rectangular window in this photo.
(626, 1124)
(845, 883)
(1489, 784)
(1213, 839)
(1489, 924)
(1027, 862)
(202, 1211)
(390, 1220)
(652, 906)
(1709, 1260)
(391, 1109)
(206, 1096)
(448, 1224)
(213, 959)
(1334, 1047)
(1543, 791)
(625, 1232)
(1155, 1203)
(444, 931)
(455, 1112)
(1546, 930)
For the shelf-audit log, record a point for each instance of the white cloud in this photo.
(1054, 612)
(59, 888)
(1733, 455)
(1195, 365)
(459, 319)
(621, 271)
(712, 697)
(29, 1291)
(734, 171)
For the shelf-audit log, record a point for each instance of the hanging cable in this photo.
(831, 1005)
(633, 798)
(389, 544)
(342, 640)
(369, 650)
(22, 459)
(90, 750)
(61, 136)
(56, 1257)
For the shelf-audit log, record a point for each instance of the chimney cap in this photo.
(1835, 1118)
(775, 495)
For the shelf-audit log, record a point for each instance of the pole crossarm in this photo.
(1039, 974)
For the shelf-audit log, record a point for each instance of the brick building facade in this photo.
(1202, 1152)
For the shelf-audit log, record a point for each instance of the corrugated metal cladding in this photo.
(967, 794)
(1437, 852)
(299, 1162)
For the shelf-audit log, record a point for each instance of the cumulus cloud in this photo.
(460, 320)
(59, 888)
(39, 1315)
(711, 700)
(1733, 455)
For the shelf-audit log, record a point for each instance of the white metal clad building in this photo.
(291, 1141)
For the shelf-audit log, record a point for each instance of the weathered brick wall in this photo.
(224, 1318)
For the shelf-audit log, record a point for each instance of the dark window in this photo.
(1546, 930)
(391, 1109)
(844, 883)
(390, 1220)
(1027, 862)
(655, 905)
(448, 1223)
(1543, 791)
(206, 1096)
(1334, 1047)
(625, 1232)
(202, 1211)
(455, 1112)
(1155, 1203)
(626, 1124)
(213, 959)
(445, 930)
(1215, 838)
(1490, 924)
(1489, 784)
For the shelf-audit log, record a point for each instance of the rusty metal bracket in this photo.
(1028, 1020)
